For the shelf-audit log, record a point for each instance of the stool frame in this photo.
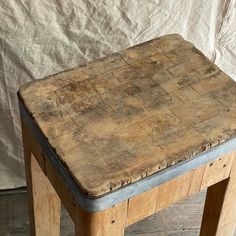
(49, 184)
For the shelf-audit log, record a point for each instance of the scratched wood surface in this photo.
(127, 116)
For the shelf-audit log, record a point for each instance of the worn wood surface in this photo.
(111, 221)
(43, 201)
(219, 216)
(119, 119)
(117, 218)
(177, 189)
(46, 204)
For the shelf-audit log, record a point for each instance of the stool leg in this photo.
(219, 218)
(44, 203)
(110, 222)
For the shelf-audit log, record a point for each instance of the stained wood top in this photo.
(127, 116)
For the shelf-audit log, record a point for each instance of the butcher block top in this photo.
(117, 120)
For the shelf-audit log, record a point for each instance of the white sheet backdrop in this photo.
(40, 37)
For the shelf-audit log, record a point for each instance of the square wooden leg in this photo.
(219, 218)
(44, 203)
(110, 222)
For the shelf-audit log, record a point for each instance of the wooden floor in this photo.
(182, 219)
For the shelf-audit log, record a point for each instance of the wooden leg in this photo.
(44, 203)
(219, 217)
(110, 222)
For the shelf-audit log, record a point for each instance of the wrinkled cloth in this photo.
(39, 38)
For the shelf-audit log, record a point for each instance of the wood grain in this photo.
(115, 219)
(122, 118)
(111, 221)
(217, 170)
(219, 216)
(142, 206)
(177, 189)
(44, 203)
(47, 204)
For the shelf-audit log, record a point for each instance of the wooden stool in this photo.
(124, 137)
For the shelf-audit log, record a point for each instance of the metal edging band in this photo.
(131, 190)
